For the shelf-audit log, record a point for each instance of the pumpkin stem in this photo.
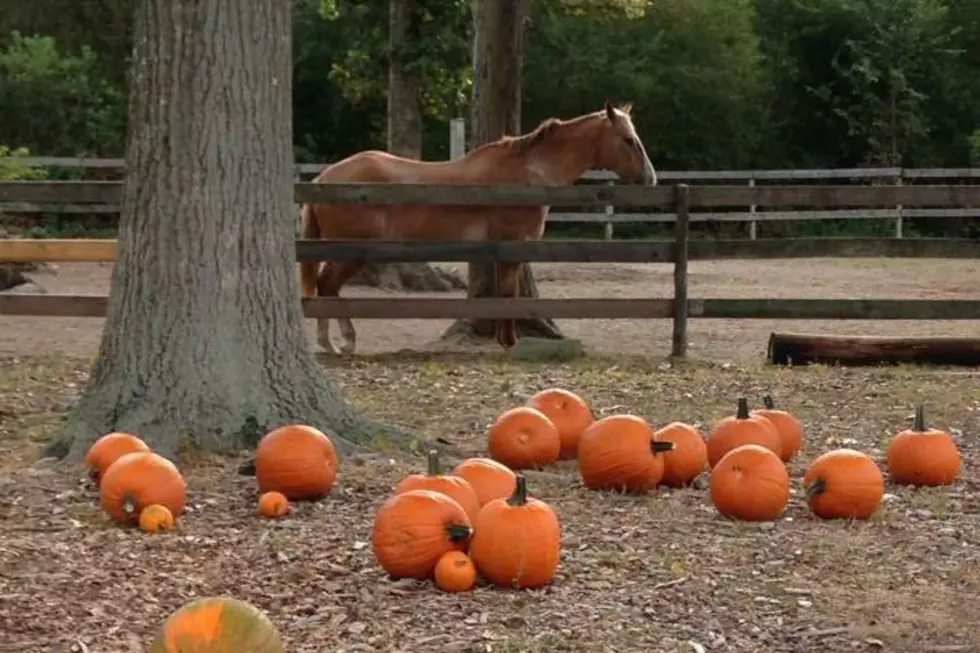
(768, 402)
(816, 488)
(743, 408)
(459, 532)
(519, 498)
(129, 506)
(919, 424)
(435, 469)
(658, 446)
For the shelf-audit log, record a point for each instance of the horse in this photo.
(556, 153)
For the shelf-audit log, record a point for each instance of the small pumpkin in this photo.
(923, 456)
(750, 483)
(412, 530)
(297, 460)
(689, 457)
(488, 478)
(790, 429)
(274, 505)
(621, 453)
(454, 487)
(455, 572)
(217, 625)
(517, 541)
(156, 518)
(568, 412)
(108, 449)
(843, 484)
(138, 480)
(742, 428)
(524, 438)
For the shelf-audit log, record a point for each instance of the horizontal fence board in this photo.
(497, 308)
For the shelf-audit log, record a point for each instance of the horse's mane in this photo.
(524, 142)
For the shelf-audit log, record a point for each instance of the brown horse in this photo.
(556, 153)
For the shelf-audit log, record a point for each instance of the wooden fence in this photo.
(678, 199)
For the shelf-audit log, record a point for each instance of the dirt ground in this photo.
(662, 573)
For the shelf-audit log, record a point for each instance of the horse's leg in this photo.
(508, 281)
(341, 273)
(325, 288)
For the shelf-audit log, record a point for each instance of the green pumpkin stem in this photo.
(658, 446)
(768, 402)
(519, 497)
(435, 469)
(816, 488)
(743, 408)
(919, 423)
(459, 532)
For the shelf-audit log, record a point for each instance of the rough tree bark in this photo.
(204, 341)
(498, 55)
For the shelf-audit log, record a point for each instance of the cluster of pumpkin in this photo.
(746, 454)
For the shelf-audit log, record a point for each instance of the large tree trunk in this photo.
(204, 341)
(498, 54)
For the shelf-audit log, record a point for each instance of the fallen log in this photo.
(803, 348)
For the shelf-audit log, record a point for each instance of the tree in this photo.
(498, 51)
(204, 341)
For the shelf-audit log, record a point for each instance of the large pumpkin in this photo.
(217, 625)
(568, 412)
(517, 541)
(621, 452)
(789, 428)
(524, 438)
(923, 456)
(138, 480)
(413, 530)
(452, 486)
(742, 428)
(750, 483)
(108, 449)
(689, 457)
(843, 484)
(488, 478)
(297, 460)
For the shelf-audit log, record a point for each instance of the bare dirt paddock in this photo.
(661, 573)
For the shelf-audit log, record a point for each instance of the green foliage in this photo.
(13, 170)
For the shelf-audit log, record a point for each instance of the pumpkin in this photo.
(455, 572)
(156, 518)
(843, 484)
(412, 530)
(517, 541)
(923, 456)
(297, 460)
(750, 483)
(488, 478)
(568, 412)
(274, 505)
(453, 487)
(217, 625)
(789, 428)
(524, 438)
(689, 456)
(621, 452)
(138, 480)
(108, 449)
(742, 428)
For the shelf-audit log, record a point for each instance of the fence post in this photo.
(610, 209)
(457, 138)
(753, 225)
(899, 227)
(682, 208)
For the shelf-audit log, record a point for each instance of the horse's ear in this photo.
(610, 111)
(627, 108)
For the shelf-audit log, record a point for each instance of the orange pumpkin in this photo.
(138, 480)
(274, 505)
(843, 484)
(488, 478)
(524, 438)
(789, 428)
(517, 541)
(750, 483)
(412, 530)
(923, 456)
(297, 460)
(621, 452)
(452, 486)
(688, 459)
(108, 449)
(742, 428)
(568, 412)
(455, 572)
(217, 625)
(156, 518)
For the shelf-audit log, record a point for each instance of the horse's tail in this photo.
(309, 229)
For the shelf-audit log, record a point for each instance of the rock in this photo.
(419, 277)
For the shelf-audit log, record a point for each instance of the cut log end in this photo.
(804, 349)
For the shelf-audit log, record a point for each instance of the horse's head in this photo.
(620, 149)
